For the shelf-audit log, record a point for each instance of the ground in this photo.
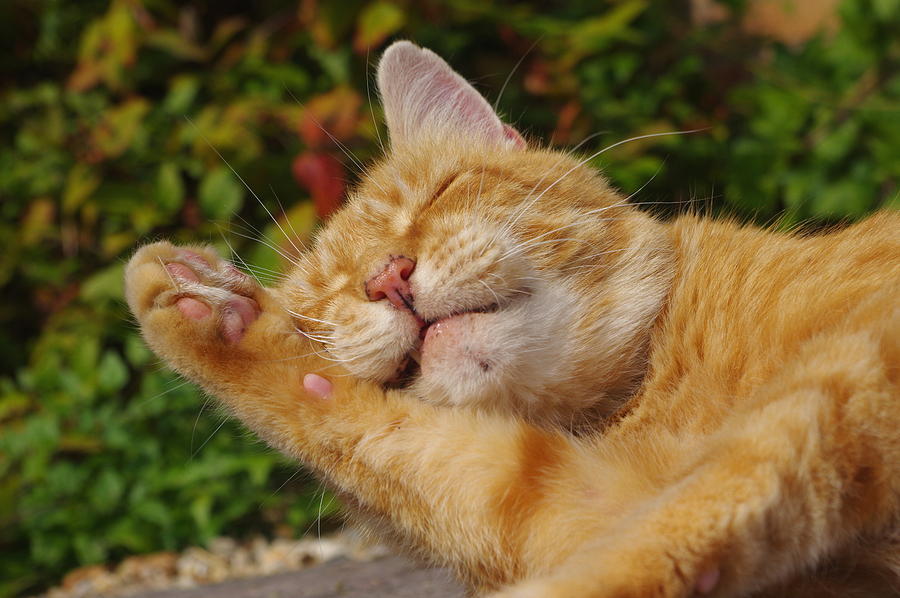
(387, 577)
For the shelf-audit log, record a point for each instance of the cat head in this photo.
(475, 269)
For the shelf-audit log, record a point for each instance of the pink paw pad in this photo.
(193, 309)
(707, 581)
(237, 311)
(317, 385)
(192, 256)
(237, 314)
(182, 272)
(235, 272)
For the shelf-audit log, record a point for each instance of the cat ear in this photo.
(420, 92)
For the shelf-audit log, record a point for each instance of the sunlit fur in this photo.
(762, 438)
(579, 277)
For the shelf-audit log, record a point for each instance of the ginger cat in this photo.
(751, 378)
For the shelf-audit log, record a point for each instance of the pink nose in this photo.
(392, 283)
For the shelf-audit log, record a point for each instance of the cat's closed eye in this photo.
(470, 269)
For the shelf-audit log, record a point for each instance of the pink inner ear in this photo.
(421, 92)
(514, 137)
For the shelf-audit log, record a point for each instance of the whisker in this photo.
(359, 166)
(287, 257)
(235, 254)
(287, 218)
(494, 293)
(200, 448)
(513, 71)
(609, 147)
(519, 248)
(175, 284)
(336, 359)
(319, 339)
(507, 226)
(607, 252)
(197, 420)
(278, 224)
(270, 275)
(313, 337)
(299, 315)
(165, 392)
(371, 109)
(334, 139)
(571, 224)
(283, 484)
(319, 523)
(291, 358)
(263, 239)
(243, 182)
(591, 157)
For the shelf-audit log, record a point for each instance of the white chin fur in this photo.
(504, 356)
(376, 351)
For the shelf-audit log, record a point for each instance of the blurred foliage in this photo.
(129, 120)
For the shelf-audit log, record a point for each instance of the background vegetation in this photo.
(121, 122)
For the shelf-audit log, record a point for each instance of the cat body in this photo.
(748, 380)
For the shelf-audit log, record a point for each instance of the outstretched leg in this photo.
(488, 496)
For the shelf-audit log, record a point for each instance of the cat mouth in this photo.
(410, 367)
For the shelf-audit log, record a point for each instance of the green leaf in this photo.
(106, 490)
(221, 195)
(84, 360)
(201, 508)
(106, 285)
(376, 22)
(13, 403)
(886, 9)
(136, 351)
(111, 373)
(844, 198)
(152, 511)
(838, 142)
(49, 548)
(82, 181)
(132, 535)
(182, 92)
(594, 34)
(90, 548)
(120, 127)
(169, 187)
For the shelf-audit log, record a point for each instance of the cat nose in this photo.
(392, 283)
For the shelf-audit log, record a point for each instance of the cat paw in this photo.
(203, 288)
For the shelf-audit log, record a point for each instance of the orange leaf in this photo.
(108, 48)
(336, 112)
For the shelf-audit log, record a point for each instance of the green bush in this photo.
(131, 120)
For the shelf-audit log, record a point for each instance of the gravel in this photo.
(225, 559)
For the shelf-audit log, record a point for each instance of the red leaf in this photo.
(562, 134)
(323, 176)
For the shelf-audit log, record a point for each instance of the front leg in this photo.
(482, 494)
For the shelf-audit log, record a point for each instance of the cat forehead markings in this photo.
(402, 220)
(338, 280)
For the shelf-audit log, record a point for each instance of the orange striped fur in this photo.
(735, 391)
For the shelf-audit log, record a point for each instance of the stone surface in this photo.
(388, 577)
